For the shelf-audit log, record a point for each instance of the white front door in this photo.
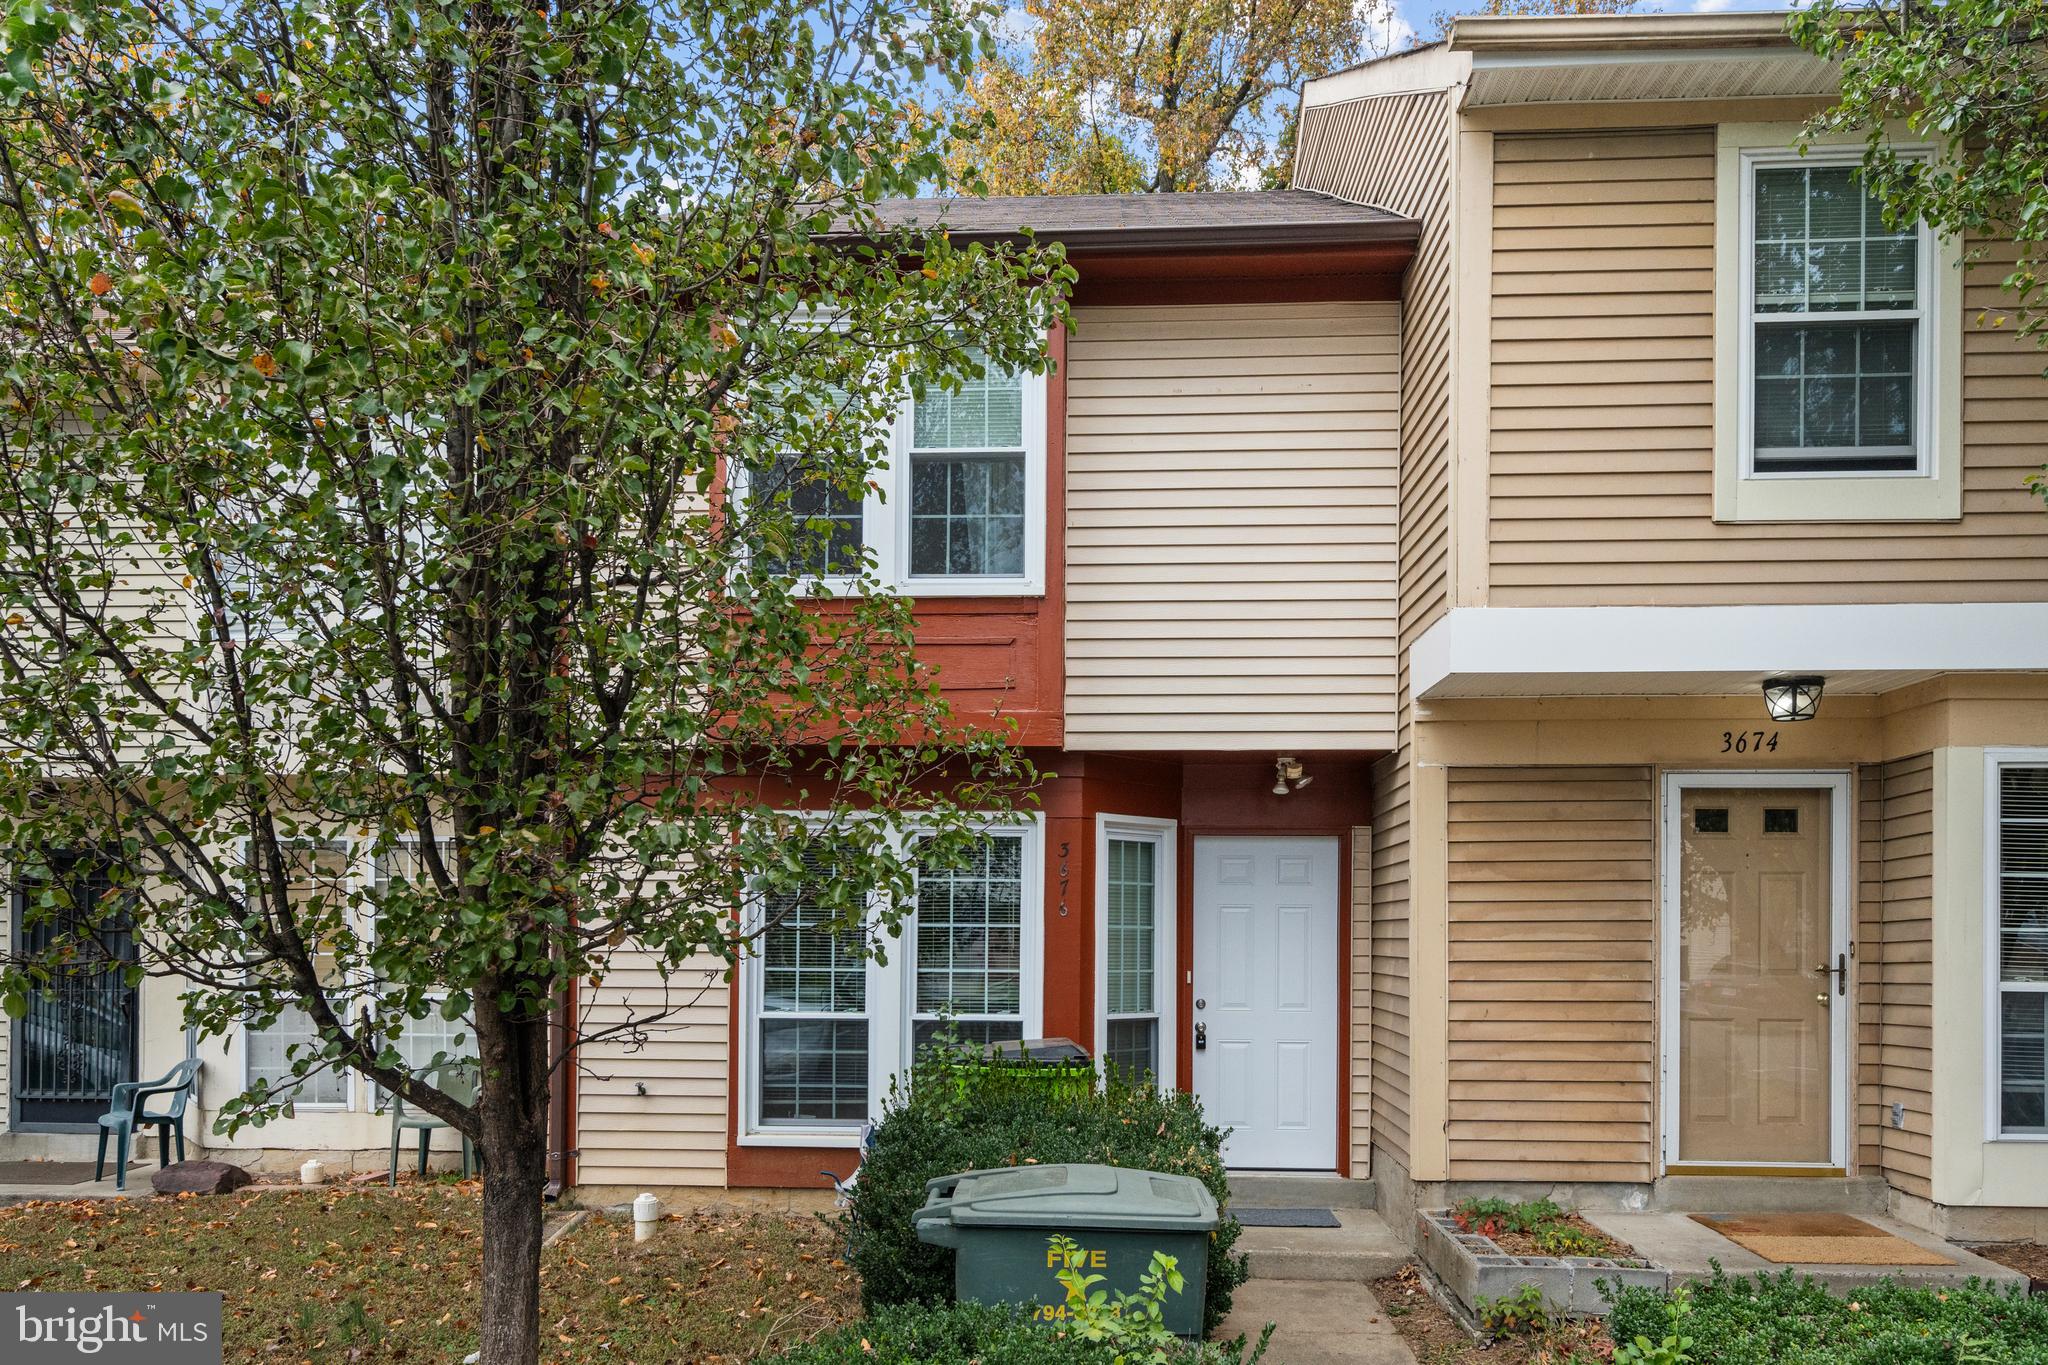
(1265, 995)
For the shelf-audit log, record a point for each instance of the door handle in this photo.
(1839, 971)
(1201, 1037)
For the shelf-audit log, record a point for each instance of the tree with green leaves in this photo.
(413, 416)
(1970, 78)
(1111, 96)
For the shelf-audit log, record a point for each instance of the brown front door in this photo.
(1755, 1002)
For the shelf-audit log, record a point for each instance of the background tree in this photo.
(1531, 8)
(1105, 96)
(1971, 78)
(375, 374)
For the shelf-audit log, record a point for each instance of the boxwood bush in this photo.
(974, 1334)
(1789, 1319)
(942, 1120)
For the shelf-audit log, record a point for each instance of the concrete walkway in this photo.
(1317, 1322)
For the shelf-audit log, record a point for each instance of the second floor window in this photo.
(967, 470)
(1835, 346)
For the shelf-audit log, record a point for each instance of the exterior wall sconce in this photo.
(1790, 699)
(1288, 775)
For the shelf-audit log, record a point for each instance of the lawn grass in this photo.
(368, 1274)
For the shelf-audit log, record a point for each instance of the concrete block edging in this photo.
(1472, 1267)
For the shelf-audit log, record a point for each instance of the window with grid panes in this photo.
(422, 1040)
(319, 877)
(2021, 926)
(812, 1037)
(1835, 327)
(967, 479)
(1132, 964)
(827, 520)
(969, 945)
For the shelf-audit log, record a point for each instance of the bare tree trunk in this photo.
(512, 1112)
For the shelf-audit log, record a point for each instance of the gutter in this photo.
(1591, 35)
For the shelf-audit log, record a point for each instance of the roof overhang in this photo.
(1597, 59)
(1719, 651)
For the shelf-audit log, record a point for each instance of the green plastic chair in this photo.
(128, 1110)
(460, 1083)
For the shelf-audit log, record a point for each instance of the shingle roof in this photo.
(1240, 218)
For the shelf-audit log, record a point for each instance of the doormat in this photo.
(1286, 1218)
(51, 1172)
(1817, 1239)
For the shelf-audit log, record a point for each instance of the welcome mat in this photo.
(1286, 1218)
(1817, 1239)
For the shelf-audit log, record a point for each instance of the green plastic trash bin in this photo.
(1000, 1224)
(1055, 1067)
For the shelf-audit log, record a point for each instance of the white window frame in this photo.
(1932, 491)
(1995, 761)
(885, 516)
(1165, 836)
(892, 1000)
(369, 872)
(352, 881)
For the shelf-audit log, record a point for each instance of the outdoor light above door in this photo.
(1790, 699)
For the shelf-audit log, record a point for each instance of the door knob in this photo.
(1202, 1036)
(1822, 997)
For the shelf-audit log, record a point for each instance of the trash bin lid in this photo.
(1080, 1195)
(1039, 1050)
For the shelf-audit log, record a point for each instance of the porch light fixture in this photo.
(1790, 699)
(1288, 775)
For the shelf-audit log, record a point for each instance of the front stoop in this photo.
(1687, 1249)
(1474, 1268)
(1363, 1249)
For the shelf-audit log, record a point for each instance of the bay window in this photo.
(825, 1027)
(2017, 828)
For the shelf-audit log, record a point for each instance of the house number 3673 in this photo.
(1749, 741)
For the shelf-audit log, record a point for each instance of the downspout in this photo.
(561, 1099)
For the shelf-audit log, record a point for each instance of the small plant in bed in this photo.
(1789, 1319)
(1534, 1227)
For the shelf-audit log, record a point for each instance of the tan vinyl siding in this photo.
(1389, 956)
(675, 1133)
(1361, 1001)
(1394, 152)
(1602, 443)
(1553, 1058)
(1904, 971)
(1230, 526)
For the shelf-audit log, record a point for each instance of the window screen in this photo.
(2023, 948)
(1131, 959)
(1836, 318)
(970, 942)
(813, 1032)
(967, 494)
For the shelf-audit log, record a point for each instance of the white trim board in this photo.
(1591, 651)
(1841, 819)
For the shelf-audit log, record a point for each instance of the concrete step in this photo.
(1689, 1249)
(1364, 1248)
(1288, 1190)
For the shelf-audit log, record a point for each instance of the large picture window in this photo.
(2018, 914)
(826, 1028)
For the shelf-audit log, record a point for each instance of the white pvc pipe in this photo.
(646, 1213)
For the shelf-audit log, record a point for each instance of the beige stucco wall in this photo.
(1230, 526)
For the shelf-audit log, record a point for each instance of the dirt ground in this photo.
(1436, 1337)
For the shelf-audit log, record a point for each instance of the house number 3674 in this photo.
(1749, 741)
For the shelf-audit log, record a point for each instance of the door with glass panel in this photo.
(77, 1039)
(1759, 973)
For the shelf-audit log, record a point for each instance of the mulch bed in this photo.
(2029, 1258)
(1437, 1338)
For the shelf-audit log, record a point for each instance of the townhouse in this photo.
(1538, 640)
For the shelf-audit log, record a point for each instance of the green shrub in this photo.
(975, 1334)
(1788, 1319)
(940, 1123)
